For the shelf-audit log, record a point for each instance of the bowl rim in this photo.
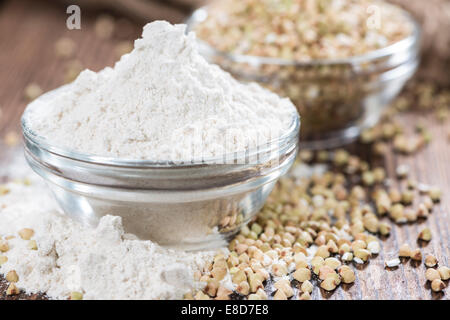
(410, 41)
(289, 138)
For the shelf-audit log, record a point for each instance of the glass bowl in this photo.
(336, 98)
(194, 205)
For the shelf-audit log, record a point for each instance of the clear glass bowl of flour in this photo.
(336, 98)
(191, 206)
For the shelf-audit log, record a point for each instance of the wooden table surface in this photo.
(28, 31)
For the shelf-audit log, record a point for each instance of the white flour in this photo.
(162, 101)
(102, 263)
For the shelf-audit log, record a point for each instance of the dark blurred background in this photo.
(142, 10)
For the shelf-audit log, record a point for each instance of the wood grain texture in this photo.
(28, 31)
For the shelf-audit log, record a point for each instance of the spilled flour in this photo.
(101, 263)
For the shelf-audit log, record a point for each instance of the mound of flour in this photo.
(102, 263)
(162, 101)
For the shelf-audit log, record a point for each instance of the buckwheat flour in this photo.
(101, 263)
(161, 102)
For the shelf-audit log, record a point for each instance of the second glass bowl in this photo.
(336, 98)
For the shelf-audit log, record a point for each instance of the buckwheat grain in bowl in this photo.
(339, 61)
(183, 152)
